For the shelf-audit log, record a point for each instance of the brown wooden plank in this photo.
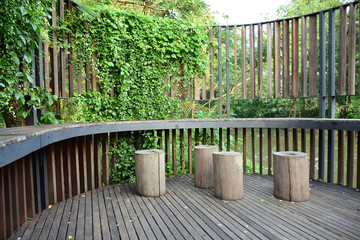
(159, 134)
(286, 139)
(197, 137)
(51, 171)
(46, 63)
(286, 59)
(173, 135)
(269, 60)
(9, 202)
(253, 149)
(303, 140)
(105, 159)
(82, 164)
(312, 153)
(295, 139)
(190, 151)
(295, 57)
(260, 60)
(342, 51)
(277, 59)
(358, 162)
(75, 175)
(260, 150)
(204, 137)
(90, 162)
(54, 55)
(236, 133)
(277, 137)
(167, 146)
(235, 64)
(3, 232)
(212, 136)
(350, 158)
(97, 160)
(269, 151)
(62, 54)
(113, 146)
(352, 49)
(244, 150)
(313, 68)
(304, 55)
(70, 57)
(211, 38)
(67, 169)
(59, 168)
(182, 151)
(15, 195)
(243, 60)
(29, 181)
(341, 157)
(252, 62)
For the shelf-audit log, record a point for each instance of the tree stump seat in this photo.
(228, 175)
(204, 177)
(291, 176)
(150, 173)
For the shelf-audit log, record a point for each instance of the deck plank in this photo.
(187, 212)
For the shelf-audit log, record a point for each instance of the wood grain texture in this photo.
(203, 158)
(352, 50)
(286, 59)
(252, 62)
(54, 55)
(190, 161)
(304, 54)
(341, 152)
(235, 64)
(173, 148)
(313, 61)
(350, 158)
(295, 57)
(269, 60)
(243, 61)
(277, 84)
(51, 172)
(342, 52)
(105, 159)
(260, 61)
(211, 50)
(62, 53)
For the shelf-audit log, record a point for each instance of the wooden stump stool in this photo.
(204, 177)
(150, 173)
(228, 175)
(291, 176)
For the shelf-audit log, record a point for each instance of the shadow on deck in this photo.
(186, 212)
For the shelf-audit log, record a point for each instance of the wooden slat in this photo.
(75, 175)
(269, 151)
(46, 63)
(82, 164)
(236, 133)
(303, 57)
(167, 146)
(51, 172)
(189, 151)
(260, 150)
(352, 49)
(303, 140)
(204, 137)
(54, 55)
(70, 58)
(159, 134)
(90, 162)
(277, 137)
(235, 64)
(243, 60)
(105, 159)
(220, 139)
(197, 137)
(286, 139)
(29, 180)
(211, 38)
(59, 168)
(277, 59)
(97, 160)
(269, 60)
(9, 202)
(182, 151)
(286, 59)
(313, 69)
(173, 135)
(252, 62)
(67, 168)
(340, 157)
(212, 136)
(3, 232)
(113, 145)
(312, 153)
(350, 158)
(62, 54)
(295, 139)
(260, 61)
(342, 51)
(15, 196)
(244, 150)
(358, 162)
(295, 57)
(253, 149)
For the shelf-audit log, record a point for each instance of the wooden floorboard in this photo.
(186, 212)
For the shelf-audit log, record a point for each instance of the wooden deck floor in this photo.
(186, 212)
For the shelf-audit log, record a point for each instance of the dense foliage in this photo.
(21, 26)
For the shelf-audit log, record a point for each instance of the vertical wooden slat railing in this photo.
(286, 59)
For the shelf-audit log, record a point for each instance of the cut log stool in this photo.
(291, 176)
(204, 177)
(150, 173)
(228, 175)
